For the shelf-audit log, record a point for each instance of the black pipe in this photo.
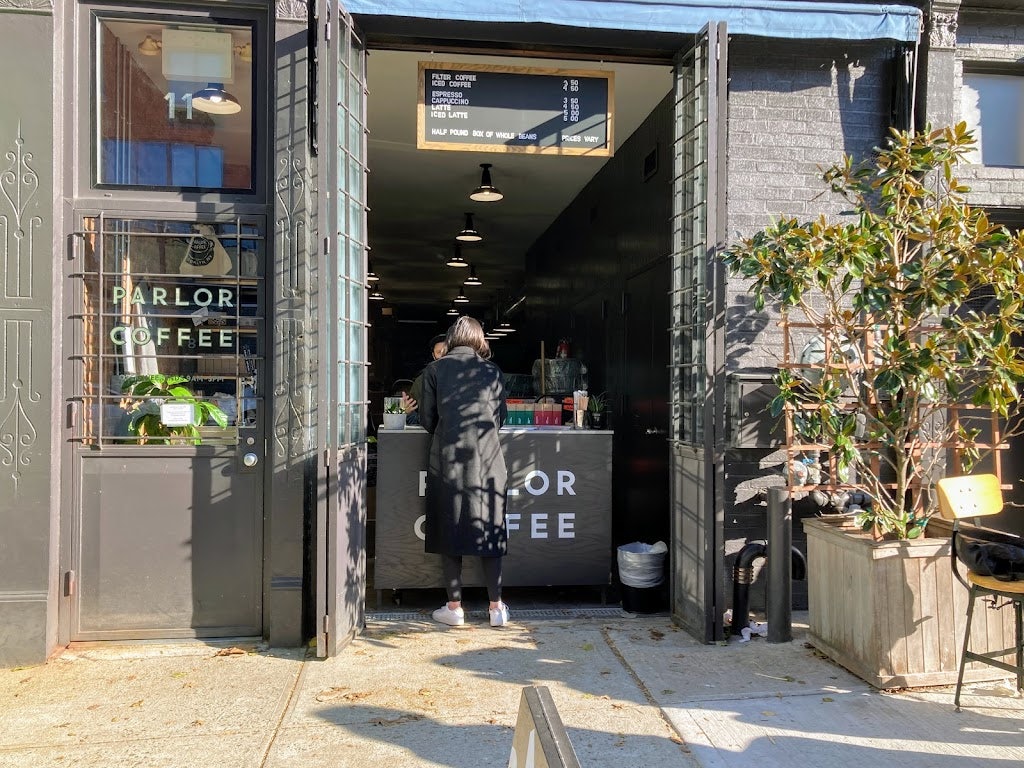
(742, 577)
(779, 608)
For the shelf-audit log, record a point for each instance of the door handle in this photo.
(250, 459)
(655, 431)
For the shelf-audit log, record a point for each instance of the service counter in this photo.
(559, 510)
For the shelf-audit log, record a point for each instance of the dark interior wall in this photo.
(618, 226)
(614, 238)
(792, 109)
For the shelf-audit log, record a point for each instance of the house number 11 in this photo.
(171, 105)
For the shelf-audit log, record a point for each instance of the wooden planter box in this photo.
(892, 612)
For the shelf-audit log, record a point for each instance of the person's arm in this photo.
(411, 399)
(501, 413)
(428, 399)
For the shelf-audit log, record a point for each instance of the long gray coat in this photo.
(463, 407)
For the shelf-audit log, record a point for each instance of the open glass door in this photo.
(340, 110)
(697, 333)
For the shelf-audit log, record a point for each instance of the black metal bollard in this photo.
(779, 600)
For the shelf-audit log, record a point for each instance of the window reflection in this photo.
(175, 105)
(993, 108)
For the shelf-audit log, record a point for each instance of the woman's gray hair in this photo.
(467, 332)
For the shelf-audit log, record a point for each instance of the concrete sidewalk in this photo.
(631, 691)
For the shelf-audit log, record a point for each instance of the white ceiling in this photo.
(418, 198)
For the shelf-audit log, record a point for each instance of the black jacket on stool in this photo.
(463, 407)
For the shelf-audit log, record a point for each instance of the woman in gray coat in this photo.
(463, 407)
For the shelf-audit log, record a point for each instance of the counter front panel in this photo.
(558, 514)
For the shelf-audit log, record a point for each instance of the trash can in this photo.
(642, 575)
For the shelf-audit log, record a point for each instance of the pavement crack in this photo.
(676, 736)
(288, 703)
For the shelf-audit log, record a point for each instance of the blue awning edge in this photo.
(795, 19)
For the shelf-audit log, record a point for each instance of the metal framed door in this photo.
(166, 420)
(698, 334)
(340, 528)
(164, 342)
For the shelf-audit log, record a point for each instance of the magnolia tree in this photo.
(916, 302)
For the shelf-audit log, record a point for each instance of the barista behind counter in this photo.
(558, 514)
(411, 399)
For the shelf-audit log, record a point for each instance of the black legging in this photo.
(452, 568)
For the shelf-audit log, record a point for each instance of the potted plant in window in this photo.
(155, 390)
(909, 307)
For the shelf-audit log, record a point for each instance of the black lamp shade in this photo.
(486, 192)
(469, 233)
(456, 260)
(215, 100)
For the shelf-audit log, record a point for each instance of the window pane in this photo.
(993, 107)
(175, 105)
(164, 316)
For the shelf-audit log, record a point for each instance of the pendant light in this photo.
(456, 260)
(506, 327)
(215, 100)
(473, 279)
(375, 294)
(469, 233)
(371, 276)
(486, 192)
(150, 46)
(452, 311)
(461, 298)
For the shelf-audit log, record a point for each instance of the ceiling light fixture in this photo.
(376, 295)
(461, 298)
(371, 276)
(469, 233)
(486, 192)
(215, 100)
(452, 311)
(456, 260)
(473, 279)
(150, 46)
(506, 327)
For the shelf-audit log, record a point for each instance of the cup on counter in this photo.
(579, 418)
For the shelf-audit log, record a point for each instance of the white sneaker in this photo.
(499, 615)
(445, 615)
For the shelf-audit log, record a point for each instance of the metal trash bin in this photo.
(642, 576)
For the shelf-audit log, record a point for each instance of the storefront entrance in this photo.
(576, 253)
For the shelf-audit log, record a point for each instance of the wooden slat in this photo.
(892, 612)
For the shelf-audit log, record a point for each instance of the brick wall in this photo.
(793, 106)
(987, 42)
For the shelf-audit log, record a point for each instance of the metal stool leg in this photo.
(1017, 607)
(963, 651)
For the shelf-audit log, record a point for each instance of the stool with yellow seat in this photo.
(977, 496)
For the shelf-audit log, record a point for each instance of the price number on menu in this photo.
(570, 104)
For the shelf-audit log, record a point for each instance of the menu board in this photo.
(490, 108)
